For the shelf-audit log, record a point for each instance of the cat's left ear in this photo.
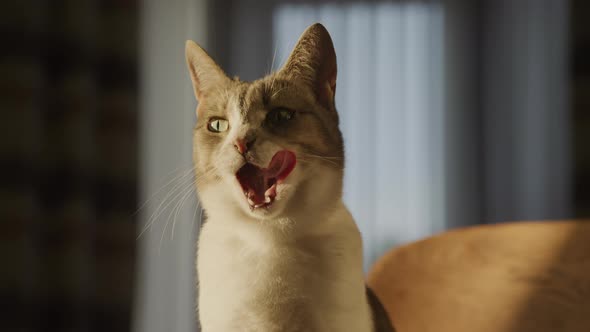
(205, 73)
(313, 60)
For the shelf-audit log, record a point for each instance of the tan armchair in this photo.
(517, 277)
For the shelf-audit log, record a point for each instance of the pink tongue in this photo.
(281, 165)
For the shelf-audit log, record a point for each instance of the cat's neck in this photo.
(317, 267)
(331, 238)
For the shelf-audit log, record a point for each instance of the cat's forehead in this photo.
(256, 95)
(244, 100)
(258, 92)
(275, 91)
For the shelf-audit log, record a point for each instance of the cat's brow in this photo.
(267, 93)
(242, 100)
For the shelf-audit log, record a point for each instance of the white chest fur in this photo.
(253, 280)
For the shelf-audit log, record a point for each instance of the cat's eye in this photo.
(279, 116)
(217, 125)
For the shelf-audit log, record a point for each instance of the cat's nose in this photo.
(241, 146)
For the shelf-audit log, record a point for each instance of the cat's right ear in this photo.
(313, 60)
(205, 73)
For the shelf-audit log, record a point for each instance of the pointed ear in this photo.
(313, 60)
(205, 73)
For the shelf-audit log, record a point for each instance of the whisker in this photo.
(175, 178)
(276, 92)
(307, 161)
(324, 157)
(181, 180)
(183, 192)
(272, 64)
(176, 192)
(331, 160)
(179, 206)
(328, 159)
(182, 201)
(203, 177)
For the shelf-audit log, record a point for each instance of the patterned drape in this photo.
(68, 160)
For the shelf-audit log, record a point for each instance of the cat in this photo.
(279, 251)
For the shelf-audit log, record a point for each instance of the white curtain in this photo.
(390, 100)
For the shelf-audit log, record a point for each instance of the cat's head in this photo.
(269, 148)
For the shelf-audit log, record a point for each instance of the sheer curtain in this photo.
(390, 101)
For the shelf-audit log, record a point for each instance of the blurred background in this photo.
(454, 112)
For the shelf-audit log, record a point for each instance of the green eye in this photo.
(217, 125)
(279, 116)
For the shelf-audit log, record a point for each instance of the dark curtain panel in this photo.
(68, 163)
(580, 77)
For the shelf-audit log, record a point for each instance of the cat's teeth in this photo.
(267, 199)
(272, 191)
(250, 201)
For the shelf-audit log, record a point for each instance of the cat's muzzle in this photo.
(260, 184)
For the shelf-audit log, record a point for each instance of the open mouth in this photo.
(260, 184)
